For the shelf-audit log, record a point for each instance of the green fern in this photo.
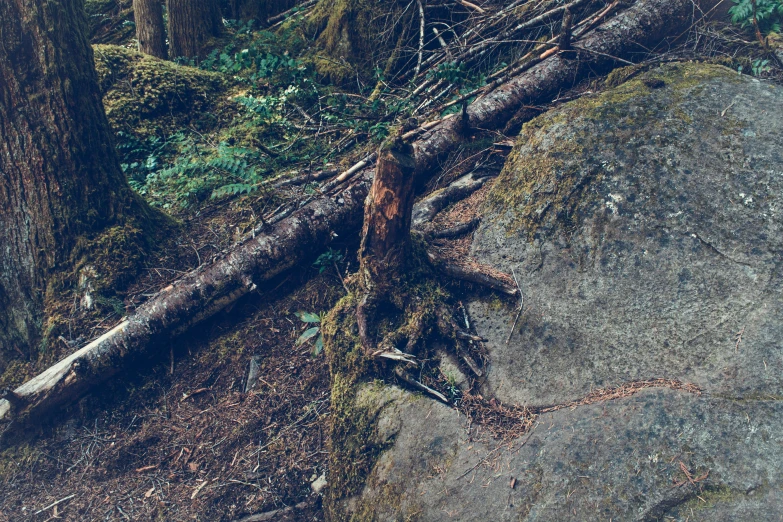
(769, 14)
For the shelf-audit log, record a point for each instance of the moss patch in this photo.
(557, 156)
(138, 88)
(355, 444)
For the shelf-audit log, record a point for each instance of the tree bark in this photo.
(150, 32)
(385, 244)
(386, 240)
(258, 10)
(191, 24)
(305, 233)
(61, 178)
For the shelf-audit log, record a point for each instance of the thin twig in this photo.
(50, 506)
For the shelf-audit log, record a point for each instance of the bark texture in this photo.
(150, 32)
(386, 241)
(258, 10)
(60, 175)
(206, 290)
(387, 217)
(191, 24)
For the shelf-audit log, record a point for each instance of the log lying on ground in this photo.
(207, 290)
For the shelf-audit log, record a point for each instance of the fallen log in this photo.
(208, 289)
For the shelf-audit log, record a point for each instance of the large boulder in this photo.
(644, 226)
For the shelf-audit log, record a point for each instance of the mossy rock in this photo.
(143, 94)
(644, 226)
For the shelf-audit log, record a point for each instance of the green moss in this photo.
(15, 454)
(715, 496)
(355, 445)
(621, 75)
(16, 372)
(142, 93)
(556, 156)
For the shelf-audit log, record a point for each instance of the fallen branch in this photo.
(272, 20)
(471, 5)
(306, 178)
(50, 506)
(274, 514)
(307, 231)
(427, 208)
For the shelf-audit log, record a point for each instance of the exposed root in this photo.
(478, 274)
(400, 372)
(457, 230)
(427, 208)
(511, 422)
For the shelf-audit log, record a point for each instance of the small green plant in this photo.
(327, 259)
(451, 72)
(311, 318)
(452, 390)
(767, 13)
(760, 66)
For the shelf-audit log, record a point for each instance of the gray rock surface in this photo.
(644, 225)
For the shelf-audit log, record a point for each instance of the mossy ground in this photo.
(194, 425)
(149, 96)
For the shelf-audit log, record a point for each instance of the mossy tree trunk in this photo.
(61, 181)
(191, 24)
(150, 31)
(386, 234)
(352, 37)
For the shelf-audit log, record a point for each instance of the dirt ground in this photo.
(191, 444)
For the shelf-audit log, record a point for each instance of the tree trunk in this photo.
(191, 24)
(149, 27)
(61, 179)
(258, 10)
(386, 241)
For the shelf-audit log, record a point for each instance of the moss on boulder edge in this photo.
(558, 153)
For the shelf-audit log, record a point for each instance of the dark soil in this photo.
(192, 445)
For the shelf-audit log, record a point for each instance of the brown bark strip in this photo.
(386, 231)
(644, 25)
(148, 15)
(191, 24)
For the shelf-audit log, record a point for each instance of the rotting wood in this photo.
(386, 241)
(307, 231)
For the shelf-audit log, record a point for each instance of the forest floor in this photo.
(182, 438)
